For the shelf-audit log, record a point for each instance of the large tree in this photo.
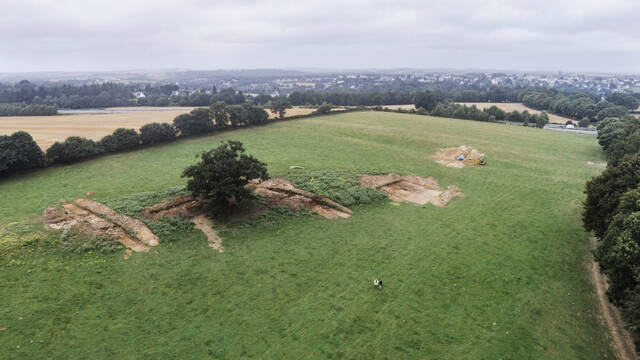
(279, 106)
(222, 174)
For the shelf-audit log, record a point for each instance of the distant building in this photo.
(138, 94)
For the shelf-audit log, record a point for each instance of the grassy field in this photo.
(497, 274)
(509, 107)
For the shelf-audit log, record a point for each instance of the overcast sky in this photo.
(88, 35)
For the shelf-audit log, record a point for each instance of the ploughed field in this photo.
(497, 273)
(48, 129)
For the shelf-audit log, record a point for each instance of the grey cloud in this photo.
(71, 35)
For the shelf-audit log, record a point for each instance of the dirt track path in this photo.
(621, 340)
(203, 224)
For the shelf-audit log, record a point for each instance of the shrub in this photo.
(584, 122)
(256, 115)
(72, 149)
(542, 119)
(198, 121)
(604, 192)
(156, 133)
(19, 152)
(120, 140)
(325, 108)
(222, 174)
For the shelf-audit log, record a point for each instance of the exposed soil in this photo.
(134, 227)
(205, 224)
(621, 339)
(183, 206)
(411, 188)
(88, 222)
(282, 192)
(448, 156)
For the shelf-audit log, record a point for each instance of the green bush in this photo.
(222, 174)
(156, 133)
(19, 151)
(198, 121)
(120, 140)
(74, 148)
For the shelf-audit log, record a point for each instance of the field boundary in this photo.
(621, 338)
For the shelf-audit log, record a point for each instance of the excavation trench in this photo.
(92, 217)
(411, 188)
(458, 157)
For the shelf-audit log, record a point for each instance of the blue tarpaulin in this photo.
(460, 158)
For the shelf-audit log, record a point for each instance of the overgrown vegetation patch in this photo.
(341, 186)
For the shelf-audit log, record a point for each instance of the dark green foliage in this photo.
(604, 191)
(255, 115)
(627, 100)
(575, 106)
(325, 108)
(280, 106)
(542, 119)
(74, 148)
(197, 122)
(584, 122)
(19, 152)
(611, 112)
(156, 133)
(222, 174)
(237, 115)
(262, 99)
(427, 100)
(496, 112)
(27, 110)
(121, 140)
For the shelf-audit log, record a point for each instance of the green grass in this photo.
(498, 274)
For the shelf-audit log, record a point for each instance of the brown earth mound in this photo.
(134, 227)
(448, 156)
(411, 188)
(282, 192)
(88, 222)
(183, 206)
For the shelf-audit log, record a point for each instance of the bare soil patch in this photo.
(73, 216)
(205, 225)
(411, 188)
(282, 192)
(183, 206)
(450, 155)
(621, 339)
(133, 226)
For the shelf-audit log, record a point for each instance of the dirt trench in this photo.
(282, 192)
(448, 156)
(205, 225)
(91, 217)
(411, 188)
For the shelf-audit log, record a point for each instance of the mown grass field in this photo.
(498, 274)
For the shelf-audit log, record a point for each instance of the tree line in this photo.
(612, 212)
(580, 106)
(19, 152)
(21, 109)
